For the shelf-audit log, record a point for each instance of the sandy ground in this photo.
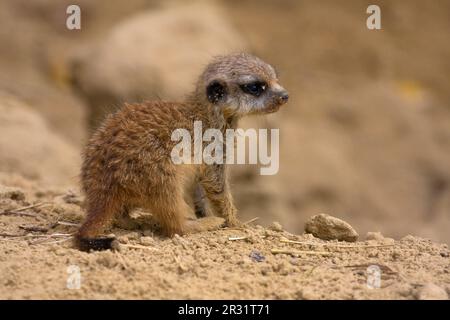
(365, 138)
(37, 261)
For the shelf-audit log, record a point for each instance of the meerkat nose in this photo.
(283, 97)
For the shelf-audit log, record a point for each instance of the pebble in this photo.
(326, 227)
(276, 226)
(257, 256)
(374, 236)
(147, 241)
(430, 291)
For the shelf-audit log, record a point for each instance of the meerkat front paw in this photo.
(231, 219)
(204, 224)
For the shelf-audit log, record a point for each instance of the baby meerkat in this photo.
(127, 163)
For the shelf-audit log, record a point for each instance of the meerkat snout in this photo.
(127, 163)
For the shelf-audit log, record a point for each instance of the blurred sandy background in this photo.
(365, 136)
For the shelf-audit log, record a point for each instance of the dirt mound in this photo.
(38, 261)
(28, 147)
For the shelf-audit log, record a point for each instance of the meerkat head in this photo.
(242, 84)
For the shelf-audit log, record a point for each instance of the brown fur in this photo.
(127, 162)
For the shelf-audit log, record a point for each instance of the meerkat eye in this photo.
(254, 88)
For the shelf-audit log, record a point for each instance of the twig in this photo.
(299, 252)
(53, 235)
(335, 245)
(27, 214)
(57, 241)
(64, 223)
(17, 211)
(11, 235)
(181, 266)
(237, 238)
(310, 271)
(122, 260)
(136, 246)
(250, 221)
(10, 240)
(34, 228)
(44, 238)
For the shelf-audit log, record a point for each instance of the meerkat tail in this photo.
(97, 244)
(99, 218)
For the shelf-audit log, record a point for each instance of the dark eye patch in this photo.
(216, 91)
(254, 88)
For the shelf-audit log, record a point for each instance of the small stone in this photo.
(106, 259)
(374, 236)
(147, 241)
(11, 193)
(182, 268)
(133, 236)
(227, 255)
(396, 255)
(308, 237)
(326, 227)
(60, 252)
(283, 268)
(265, 270)
(176, 240)
(123, 239)
(259, 228)
(388, 241)
(252, 239)
(148, 233)
(204, 264)
(430, 291)
(115, 245)
(404, 290)
(294, 261)
(269, 233)
(276, 226)
(408, 238)
(256, 256)
(306, 294)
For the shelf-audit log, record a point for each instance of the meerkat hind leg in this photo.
(169, 212)
(172, 216)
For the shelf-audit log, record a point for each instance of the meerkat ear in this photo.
(216, 91)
